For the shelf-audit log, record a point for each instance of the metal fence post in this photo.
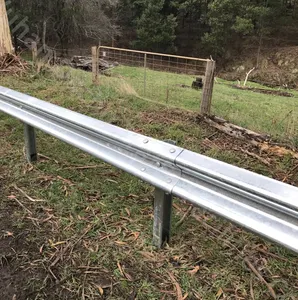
(208, 88)
(30, 143)
(145, 73)
(162, 217)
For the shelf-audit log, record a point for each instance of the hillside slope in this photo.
(277, 67)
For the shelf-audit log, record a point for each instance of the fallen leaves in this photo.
(194, 271)
(8, 234)
(219, 293)
(123, 272)
(120, 243)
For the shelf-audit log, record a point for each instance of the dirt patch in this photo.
(21, 261)
(12, 278)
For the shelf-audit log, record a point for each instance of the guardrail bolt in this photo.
(172, 150)
(146, 141)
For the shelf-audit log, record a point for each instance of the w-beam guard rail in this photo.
(257, 203)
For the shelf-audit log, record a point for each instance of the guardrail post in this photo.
(162, 217)
(208, 88)
(30, 143)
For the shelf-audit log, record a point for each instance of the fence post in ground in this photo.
(34, 52)
(145, 73)
(208, 88)
(95, 64)
(162, 217)
(30, 143)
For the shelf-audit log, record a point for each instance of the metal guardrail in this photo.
(257, 203)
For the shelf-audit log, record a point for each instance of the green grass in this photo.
(274, 115)
(105, 215)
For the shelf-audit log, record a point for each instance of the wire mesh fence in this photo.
(159, 77)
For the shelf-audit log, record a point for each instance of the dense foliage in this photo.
(219, 27)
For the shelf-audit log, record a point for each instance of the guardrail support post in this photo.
(30, 143)
(162, 217)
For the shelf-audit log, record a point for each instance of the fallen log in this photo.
(233, 130)
(264, 91)
(261, 141)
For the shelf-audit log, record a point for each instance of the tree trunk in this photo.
(44, 35)
(5, 37)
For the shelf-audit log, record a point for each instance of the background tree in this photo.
(221, 28)
(67, 22)
(155, 31)
(5, 37)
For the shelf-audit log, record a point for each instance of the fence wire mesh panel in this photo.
(160, 77)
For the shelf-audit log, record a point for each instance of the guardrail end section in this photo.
(30, 143)
(162, 217)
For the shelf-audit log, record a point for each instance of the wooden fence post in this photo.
(208, 88)
(95, 64)
(34, 52)
(145, 74)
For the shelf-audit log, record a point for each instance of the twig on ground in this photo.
(272, 255)
(22, 205)
(27, 196)
(187, 214)
(48, 158)
(177, 286)
(252, 289)
(262, 160)
(84, 283)
(71, 245)
(83, 167)
(256, 272)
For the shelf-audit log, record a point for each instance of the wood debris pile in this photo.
(85, 63)
(261, 141)
(11, 64)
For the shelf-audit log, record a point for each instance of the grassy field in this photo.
(274, 115)
(90, 236)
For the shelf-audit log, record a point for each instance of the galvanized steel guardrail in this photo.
(260, 204)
